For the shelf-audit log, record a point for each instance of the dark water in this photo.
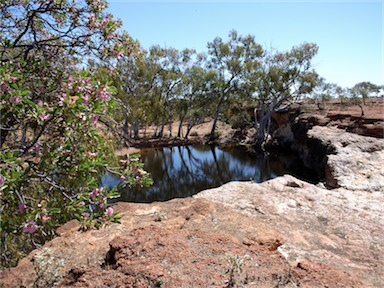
(180, 172)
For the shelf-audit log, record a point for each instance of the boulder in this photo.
(356, 162)
(338, 227)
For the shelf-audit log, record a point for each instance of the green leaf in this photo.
(54, 211)
(24, 92)
(28, 101)
(5, 186)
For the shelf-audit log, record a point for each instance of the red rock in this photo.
(195, 243)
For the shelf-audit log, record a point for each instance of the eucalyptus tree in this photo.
(52, 151)
(136, 80)
(359, 93)
(343, 94)
(231, 60)
(324, 91)
(280, 77)
(169, 80)
(188, 88)
(364, 90)
(201, 106)
(193, 101)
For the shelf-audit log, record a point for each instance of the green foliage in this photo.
(53, 150)
(235, 264)
(232, 61)
(281, 77)
(361, 91)
(239, 120)
(163, 84)
(323, 92)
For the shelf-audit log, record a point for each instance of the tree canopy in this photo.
(193, 86)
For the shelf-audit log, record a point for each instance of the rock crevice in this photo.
(340, 158)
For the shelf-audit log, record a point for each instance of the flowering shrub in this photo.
(52, 148)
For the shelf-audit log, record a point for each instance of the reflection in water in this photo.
(183, 171)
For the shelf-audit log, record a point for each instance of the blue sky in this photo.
(349, 33)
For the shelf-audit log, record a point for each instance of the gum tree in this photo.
(280, 77)
(52, 149)
(324, 91)
(231, 60)
(136, 81)
(193, 106)
(170, 77)
(360, 92)
(366, 89)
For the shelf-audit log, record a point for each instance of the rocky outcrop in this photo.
(361, 125)
(180, 243)
(349, 117)
(339, 227)
(335, 154)
(356, 162)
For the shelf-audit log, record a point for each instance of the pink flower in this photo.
(123, 178)
(2, 180)
(62, 99)
(103, 94)
(92, 154)
(121, 53)
(70, 79)
(94, 120)
(109, 211)
(13, 79)
(82, 203)
(86, 215)
(30, 227)
(3, 87)
(37, 147)
(94, 193)
(86, 99)
(15, 99)
(126, 162)
(22, 208)
(45, 218)
(44, 116)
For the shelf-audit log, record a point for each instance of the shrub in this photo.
(52, 149)
(239, 120)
